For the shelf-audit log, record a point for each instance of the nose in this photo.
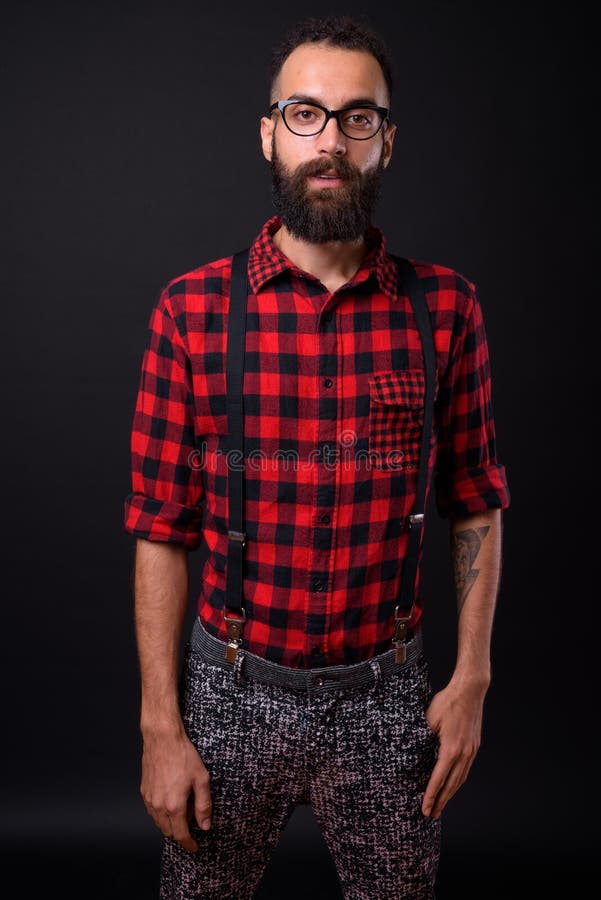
(331, 139)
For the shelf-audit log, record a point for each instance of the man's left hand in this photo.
(455, 715)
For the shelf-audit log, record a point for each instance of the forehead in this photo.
(332, 75)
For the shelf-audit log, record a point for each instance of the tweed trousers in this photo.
(360, 754)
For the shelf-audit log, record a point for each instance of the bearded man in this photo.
(304, 679)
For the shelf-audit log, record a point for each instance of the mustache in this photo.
(341, 167)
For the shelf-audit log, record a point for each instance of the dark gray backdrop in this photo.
(130, 155)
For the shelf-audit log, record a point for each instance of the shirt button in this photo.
(315, 651)
(318, 586)
(325, 519)
(328, 382)
(327, 317)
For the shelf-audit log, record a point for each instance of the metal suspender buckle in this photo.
(237, 536)
(234, 626)
(400, 636)
(417, 520)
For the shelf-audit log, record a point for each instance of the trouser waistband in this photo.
(250, 665)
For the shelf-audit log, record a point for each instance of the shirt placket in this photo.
(326, 485)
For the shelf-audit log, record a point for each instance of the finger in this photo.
(161, 820)
(203, 804)
(181, 832)
(159, 817)
(438, 777)
(456, 778)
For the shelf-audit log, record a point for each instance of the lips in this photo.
(333, 178)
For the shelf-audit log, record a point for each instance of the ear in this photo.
(388, 140)
(267, 126)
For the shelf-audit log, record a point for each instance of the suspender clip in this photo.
(234, 626)
(416, 520)
(399, 641)
(237, 536)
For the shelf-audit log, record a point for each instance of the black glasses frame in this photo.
(330, 114)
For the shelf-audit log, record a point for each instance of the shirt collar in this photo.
(266, 261)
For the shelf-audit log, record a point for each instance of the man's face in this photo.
(314, 208)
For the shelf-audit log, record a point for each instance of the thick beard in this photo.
(330, 214)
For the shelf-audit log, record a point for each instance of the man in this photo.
(316, 695)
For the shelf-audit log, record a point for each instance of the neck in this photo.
(334, 262)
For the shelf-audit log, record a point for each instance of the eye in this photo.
(359, 118)
(304, 113)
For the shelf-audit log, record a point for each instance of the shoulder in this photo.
(449, 293)
(439, 279)
(193, 302)
(197, 290)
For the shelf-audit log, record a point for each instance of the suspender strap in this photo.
(409, 279)
(236, 335)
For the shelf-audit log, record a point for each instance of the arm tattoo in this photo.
(465, 549)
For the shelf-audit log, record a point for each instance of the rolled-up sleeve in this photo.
(468, 476)
(165, 503)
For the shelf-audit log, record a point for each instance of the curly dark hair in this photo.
(349, 32)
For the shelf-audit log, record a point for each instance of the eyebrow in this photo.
(355, 101)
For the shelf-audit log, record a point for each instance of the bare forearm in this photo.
(160, 601)
(455, 712)
(476, 554)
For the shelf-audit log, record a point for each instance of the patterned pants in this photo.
(360, 755)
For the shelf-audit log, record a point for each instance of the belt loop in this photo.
(377, 670)
(238, 675)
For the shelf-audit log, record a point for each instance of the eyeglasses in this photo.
(308, 119)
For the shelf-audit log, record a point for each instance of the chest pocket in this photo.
(396, 418)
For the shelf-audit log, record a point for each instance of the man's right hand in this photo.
(175, 786)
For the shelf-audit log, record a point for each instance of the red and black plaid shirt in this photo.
(333, 392)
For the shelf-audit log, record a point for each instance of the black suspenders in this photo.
(402, 613)
(236, 333)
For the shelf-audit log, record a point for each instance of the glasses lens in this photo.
(302, 118)
(360, 123)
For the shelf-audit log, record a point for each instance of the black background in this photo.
(130, 155)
